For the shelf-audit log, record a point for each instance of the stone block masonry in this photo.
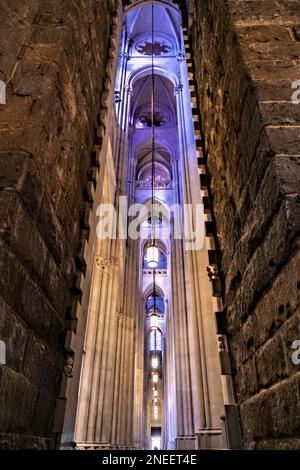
(53, 56)
(247, 56)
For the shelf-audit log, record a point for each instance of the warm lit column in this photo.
(95, 406)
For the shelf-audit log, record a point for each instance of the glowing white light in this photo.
(154, 362)
(155, 378)
(154, 320)
(152, 255)
(155, 411)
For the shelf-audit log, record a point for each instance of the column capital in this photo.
(117, 94)
(180, 56)
(124, 55)
(103, 264)
(178, 89)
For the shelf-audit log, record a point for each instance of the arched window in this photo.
(159, 303)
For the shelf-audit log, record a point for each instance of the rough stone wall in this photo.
(247, 54)
(53, 55)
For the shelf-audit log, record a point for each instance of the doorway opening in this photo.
(155, 438)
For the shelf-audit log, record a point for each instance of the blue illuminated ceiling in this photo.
(165, 122)
(153, 47)
(138, 25)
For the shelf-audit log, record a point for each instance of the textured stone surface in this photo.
(25, 442)
(53, 57)
(278, 409)
(15, 333)
(18, 398)
(246, 56)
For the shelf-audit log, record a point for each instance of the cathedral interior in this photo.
(150, 342)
